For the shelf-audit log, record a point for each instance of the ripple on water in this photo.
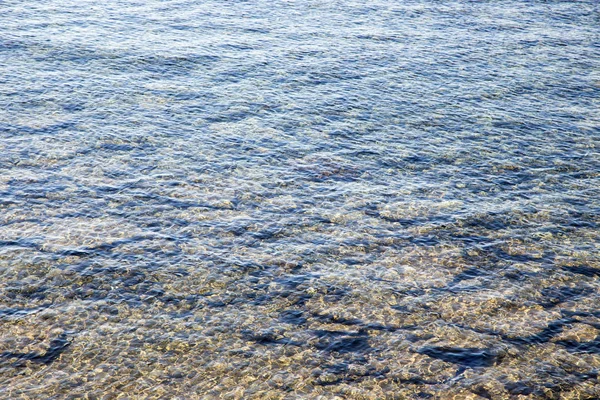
(299, 199)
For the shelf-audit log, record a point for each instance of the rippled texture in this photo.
(277, 200)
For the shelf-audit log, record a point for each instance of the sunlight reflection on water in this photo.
(293, 199)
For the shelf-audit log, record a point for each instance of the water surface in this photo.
(293, 199)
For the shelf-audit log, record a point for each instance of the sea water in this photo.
(294, 199)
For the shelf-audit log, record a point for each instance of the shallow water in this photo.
(293, 199)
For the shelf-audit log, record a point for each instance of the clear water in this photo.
(293, 199)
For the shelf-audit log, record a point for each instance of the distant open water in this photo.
(293, 199)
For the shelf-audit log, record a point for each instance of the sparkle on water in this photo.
(294, 199)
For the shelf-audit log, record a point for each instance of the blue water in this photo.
(293, 199)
